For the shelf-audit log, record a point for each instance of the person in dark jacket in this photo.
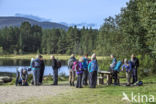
(55, 70)
(135, 65)
(41, 70)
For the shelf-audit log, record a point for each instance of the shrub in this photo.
(147, 65)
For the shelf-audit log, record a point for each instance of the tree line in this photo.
(131, 31)
(33, 39)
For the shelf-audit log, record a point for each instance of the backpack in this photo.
(36, 64)
(94, 66)
(85, 63)
(75, 66)
(117, 66)
(140, 83)
(59, 64)
(70, 64)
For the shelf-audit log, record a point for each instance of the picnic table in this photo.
(101, 77)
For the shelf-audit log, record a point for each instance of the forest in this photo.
(133, 30)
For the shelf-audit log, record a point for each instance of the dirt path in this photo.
(13, 94)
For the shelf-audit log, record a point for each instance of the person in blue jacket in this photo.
(93, 68)
(114, 61)
(128, 67)
(85, 67)
(116, 70)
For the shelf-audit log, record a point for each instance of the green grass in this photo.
(45, 56)
(101, 95)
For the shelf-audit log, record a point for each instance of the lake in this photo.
(10, 65)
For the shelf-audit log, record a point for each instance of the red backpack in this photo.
(75, 66)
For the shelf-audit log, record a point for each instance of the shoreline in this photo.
(45, 56)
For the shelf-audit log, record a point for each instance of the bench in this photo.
(108, 76)
(101, 78)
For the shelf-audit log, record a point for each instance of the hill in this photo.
(16, 21)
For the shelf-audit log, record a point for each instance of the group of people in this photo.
(131, 68)
(37, 67)
(86, 70)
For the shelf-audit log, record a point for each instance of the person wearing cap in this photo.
(135, 65)
(21, 76)
(128, 67)
(72, 73)
(55, 70)
(93, 68)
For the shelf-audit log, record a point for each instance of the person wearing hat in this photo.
(21, 76)
(93, 68)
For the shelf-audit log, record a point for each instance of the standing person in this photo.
(128, 67)
(55, 70)
(93, 68)
(79, 71)
(41, 70)
(116, 70)
(85, 67)
(114, 61)
(135, 65)
(36, 65)
(21, 76)
(71, 72)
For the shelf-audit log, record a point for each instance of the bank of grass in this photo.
(45, 56)
(100, 95)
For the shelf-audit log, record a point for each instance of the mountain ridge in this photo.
(6, 21)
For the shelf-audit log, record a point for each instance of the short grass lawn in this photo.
(101, 95)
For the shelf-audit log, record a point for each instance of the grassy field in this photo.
(45, 56)
(101, 95)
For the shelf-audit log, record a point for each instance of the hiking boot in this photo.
(70, 83)
(73, 84)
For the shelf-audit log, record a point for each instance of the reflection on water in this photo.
(48, 69)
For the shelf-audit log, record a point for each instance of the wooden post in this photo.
(108, 79)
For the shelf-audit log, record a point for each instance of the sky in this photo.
(68, 11)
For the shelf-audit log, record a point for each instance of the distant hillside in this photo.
(36, 18)
(16, 21)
